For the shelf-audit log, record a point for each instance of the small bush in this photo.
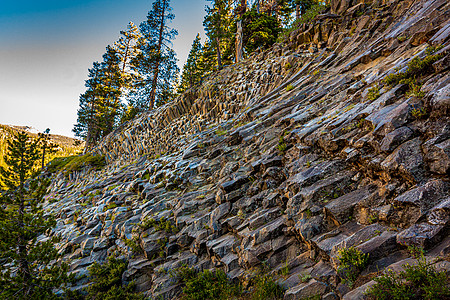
(206, 285)
(415, 90)
(266, 288)
(352, 261)
(416, 67)
(421, 281)
(290, 87)
(134, 245)
(281, 145)
(107, 281)
(221, 132)
(402, 38)
(111, 205)
(419, 112)
(373, 93)
(305, 277)
(162, 224)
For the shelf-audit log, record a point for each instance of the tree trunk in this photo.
(239, 35)
(297, 11)
(257, 6)
(239, 42)
(43, 154)
(24, 268)
(219, 55)
(158, 60)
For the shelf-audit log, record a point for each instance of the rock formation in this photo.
(282, 160)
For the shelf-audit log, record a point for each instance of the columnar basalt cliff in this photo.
(337, 137)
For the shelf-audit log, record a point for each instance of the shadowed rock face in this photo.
(264, 164)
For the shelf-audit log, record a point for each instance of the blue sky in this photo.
(47, 46)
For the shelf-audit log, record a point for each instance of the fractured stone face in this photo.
(279, 161)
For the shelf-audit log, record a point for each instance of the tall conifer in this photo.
(156, 61)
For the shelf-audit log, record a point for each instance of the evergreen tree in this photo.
(260, 30)
(207, 61)
(126, 50)
(217, 23)
(100, 105)
(156, 62)
(47, 146)
(192, 72)
(29, 268)
(110, 90)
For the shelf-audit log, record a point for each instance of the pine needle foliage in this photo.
(107, 281)
(28, 258)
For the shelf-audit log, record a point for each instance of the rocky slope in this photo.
(281, 161)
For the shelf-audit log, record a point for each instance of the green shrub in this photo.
(419, 112)
(402, 38)
(111, 205)
(289, 87)
(266, 288)
(421, 281)
(415, 90)
(162, 224)
(416, 67)
(373, 93)
(134, 245)
(206, 285)
(351, 262)
(305, 277)
(281, 145)
(221, 132)
(107, 281)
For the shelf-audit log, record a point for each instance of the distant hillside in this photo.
(67, 146)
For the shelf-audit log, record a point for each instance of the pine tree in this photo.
(207, 61)
(27, 257)
(100, 105)
(47, 147)
(260, 30)
(110, 90)
(156, 62)
(217, 24)
(126, 50)
(192, 72)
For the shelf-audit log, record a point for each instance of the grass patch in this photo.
(75, 163)
(282, 146)
(415, 90)
(266, 288)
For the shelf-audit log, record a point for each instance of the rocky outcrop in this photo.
(280, 160)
